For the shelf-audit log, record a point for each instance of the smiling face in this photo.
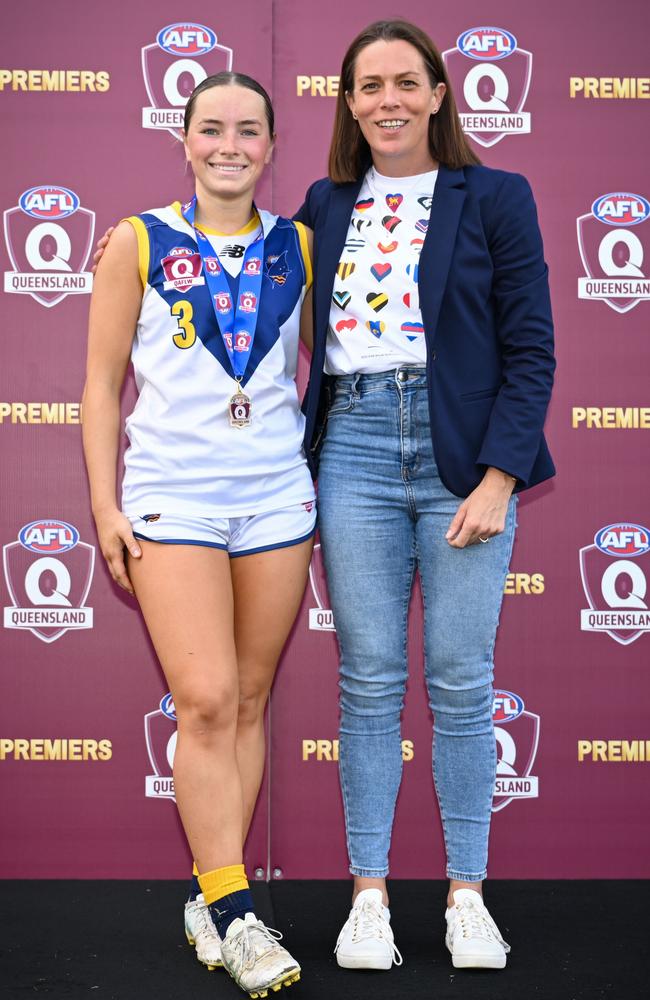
(228, 143)
(393, 100)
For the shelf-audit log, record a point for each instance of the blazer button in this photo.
(433, 355)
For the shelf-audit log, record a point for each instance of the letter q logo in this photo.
(613, 244)
(491, 76)
(48, 237)
(182, 56)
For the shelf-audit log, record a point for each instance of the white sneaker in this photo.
(251, 954)
(366, 939)
(473, 938)
(201, 932)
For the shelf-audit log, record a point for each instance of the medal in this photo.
(239, 409)
(241, 314)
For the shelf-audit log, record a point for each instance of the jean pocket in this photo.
(467, 397)
(342, 402)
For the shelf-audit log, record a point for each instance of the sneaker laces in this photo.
(205, 923)
(475, 922)
(247, 942)
(369, 922)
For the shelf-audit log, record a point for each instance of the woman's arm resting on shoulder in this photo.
(101, 245)
(114, 310)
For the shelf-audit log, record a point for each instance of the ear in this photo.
(349, 100)
(269, 152)
(439, 92)
(184, 141)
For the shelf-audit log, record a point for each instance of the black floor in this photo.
(125, 941)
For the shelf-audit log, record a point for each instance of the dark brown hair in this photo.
(350, 155)
(228, 79)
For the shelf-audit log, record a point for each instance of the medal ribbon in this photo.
(236, 322)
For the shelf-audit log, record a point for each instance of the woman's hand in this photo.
(483, 513)
(101, 246)
(115, 534)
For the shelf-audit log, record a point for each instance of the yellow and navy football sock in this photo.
(227, 895)
(195, 888)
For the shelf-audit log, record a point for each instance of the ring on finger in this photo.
(483, 540)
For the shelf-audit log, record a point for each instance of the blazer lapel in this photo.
(435, 259)
(330, 243)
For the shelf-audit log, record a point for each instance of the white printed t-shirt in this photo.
(375, 319)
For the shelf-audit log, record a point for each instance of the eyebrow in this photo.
(217, 121)
(377, 76)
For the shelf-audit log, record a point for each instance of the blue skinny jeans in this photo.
(384, 512)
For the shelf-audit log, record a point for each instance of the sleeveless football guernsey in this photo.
(184, 455)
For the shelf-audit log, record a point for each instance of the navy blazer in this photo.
(484, 297)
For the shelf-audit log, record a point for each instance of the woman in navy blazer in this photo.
(423, 441)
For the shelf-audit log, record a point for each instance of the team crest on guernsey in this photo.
(182, 271)
(182, 56)
(277, 268)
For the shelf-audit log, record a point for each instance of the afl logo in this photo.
(621, 209)
(487, 43)
(180, 252)
(48, 536)
(49, 202)
(623, 540)
(186, 39)
(167, 707)
(506, 707)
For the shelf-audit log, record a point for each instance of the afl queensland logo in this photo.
(321, 618)
(48, 572)
(613, 245)
(491, 76)
(517, 735)
(48, 237)
(614, 572)
(182, 56)
(160, 738)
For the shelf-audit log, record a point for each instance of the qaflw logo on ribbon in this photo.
(614, 576)
(613, 244)
(491, 77)
(182, 56)
(49, 237)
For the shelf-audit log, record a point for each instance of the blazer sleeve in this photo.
(524, 327)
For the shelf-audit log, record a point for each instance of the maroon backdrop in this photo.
(91, 101)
